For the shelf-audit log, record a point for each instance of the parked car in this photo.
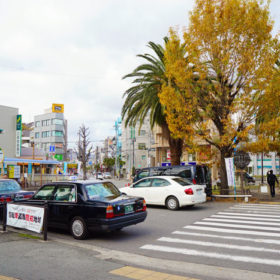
(107, 175)
(84, 206)
(198, 174)
(10, 190)
(249, 178)
(171, 191)
(99, 176)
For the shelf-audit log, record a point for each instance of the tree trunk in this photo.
(175, 145)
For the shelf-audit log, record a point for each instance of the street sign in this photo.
(52, 149)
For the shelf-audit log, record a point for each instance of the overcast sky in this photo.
(76, 53)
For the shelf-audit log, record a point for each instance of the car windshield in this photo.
(9, 186)
(102, 191)
(183, 181)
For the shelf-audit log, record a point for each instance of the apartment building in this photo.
(137, 146)
(50, 132)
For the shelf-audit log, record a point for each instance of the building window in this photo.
(46, 134)
(143, 157)
(57, 121)
(46, 122)
(142, 146)
(57, 133)
(142, 132)
(37, 124)
(37, 135)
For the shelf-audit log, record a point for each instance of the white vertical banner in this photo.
(230, 171)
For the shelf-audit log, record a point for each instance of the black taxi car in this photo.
(84, 206)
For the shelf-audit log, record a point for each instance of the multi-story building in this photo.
(137, 146)
(8, 135)
(50, 132)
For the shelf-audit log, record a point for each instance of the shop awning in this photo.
(23, 160)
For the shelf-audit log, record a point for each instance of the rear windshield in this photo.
(102, 191)
(9, 186)
(183, 181)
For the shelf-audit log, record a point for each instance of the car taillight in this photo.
(194, 181)
(189, 191)
(109, 212)
(8, 199)
(144, 205)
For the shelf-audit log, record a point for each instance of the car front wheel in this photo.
(172, 203)
(78, 228)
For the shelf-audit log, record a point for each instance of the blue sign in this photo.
(65, 167)
(52, 149)
(29, 171)
(166, 164)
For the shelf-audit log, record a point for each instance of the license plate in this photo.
(128, 209)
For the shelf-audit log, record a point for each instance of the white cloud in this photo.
(76, 52)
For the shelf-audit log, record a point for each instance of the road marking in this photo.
(268, 205)
(254, 211)
(245, 218)
(247, 214)
(241, 222)
(237, 226)
(255, 208)
(188, 252)
(268, 241)
(258, 206)
(2, 277)
(218, 245)
(249, 232)
(139, 273)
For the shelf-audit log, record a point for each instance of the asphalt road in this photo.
(213, 235)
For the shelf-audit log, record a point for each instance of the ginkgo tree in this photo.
(213, 91)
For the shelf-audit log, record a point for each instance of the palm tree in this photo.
(142, 99)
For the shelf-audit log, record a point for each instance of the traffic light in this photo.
(1, 131)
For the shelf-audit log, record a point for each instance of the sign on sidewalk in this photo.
(26, 217)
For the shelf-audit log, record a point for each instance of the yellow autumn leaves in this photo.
(222, 74)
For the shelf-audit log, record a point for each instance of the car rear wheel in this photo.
(78, 228)
(172, 203)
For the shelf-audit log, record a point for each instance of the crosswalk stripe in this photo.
(249, 232)
(217, 245)
(268, 241)
(267, 205)
(238, 226)
(189, 252)
(276, 207)
(254, 210)
(241, 222)
(250, 215)
(245, 218)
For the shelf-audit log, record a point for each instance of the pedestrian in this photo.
(271, 179)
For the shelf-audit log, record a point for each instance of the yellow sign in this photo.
(58, 108)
